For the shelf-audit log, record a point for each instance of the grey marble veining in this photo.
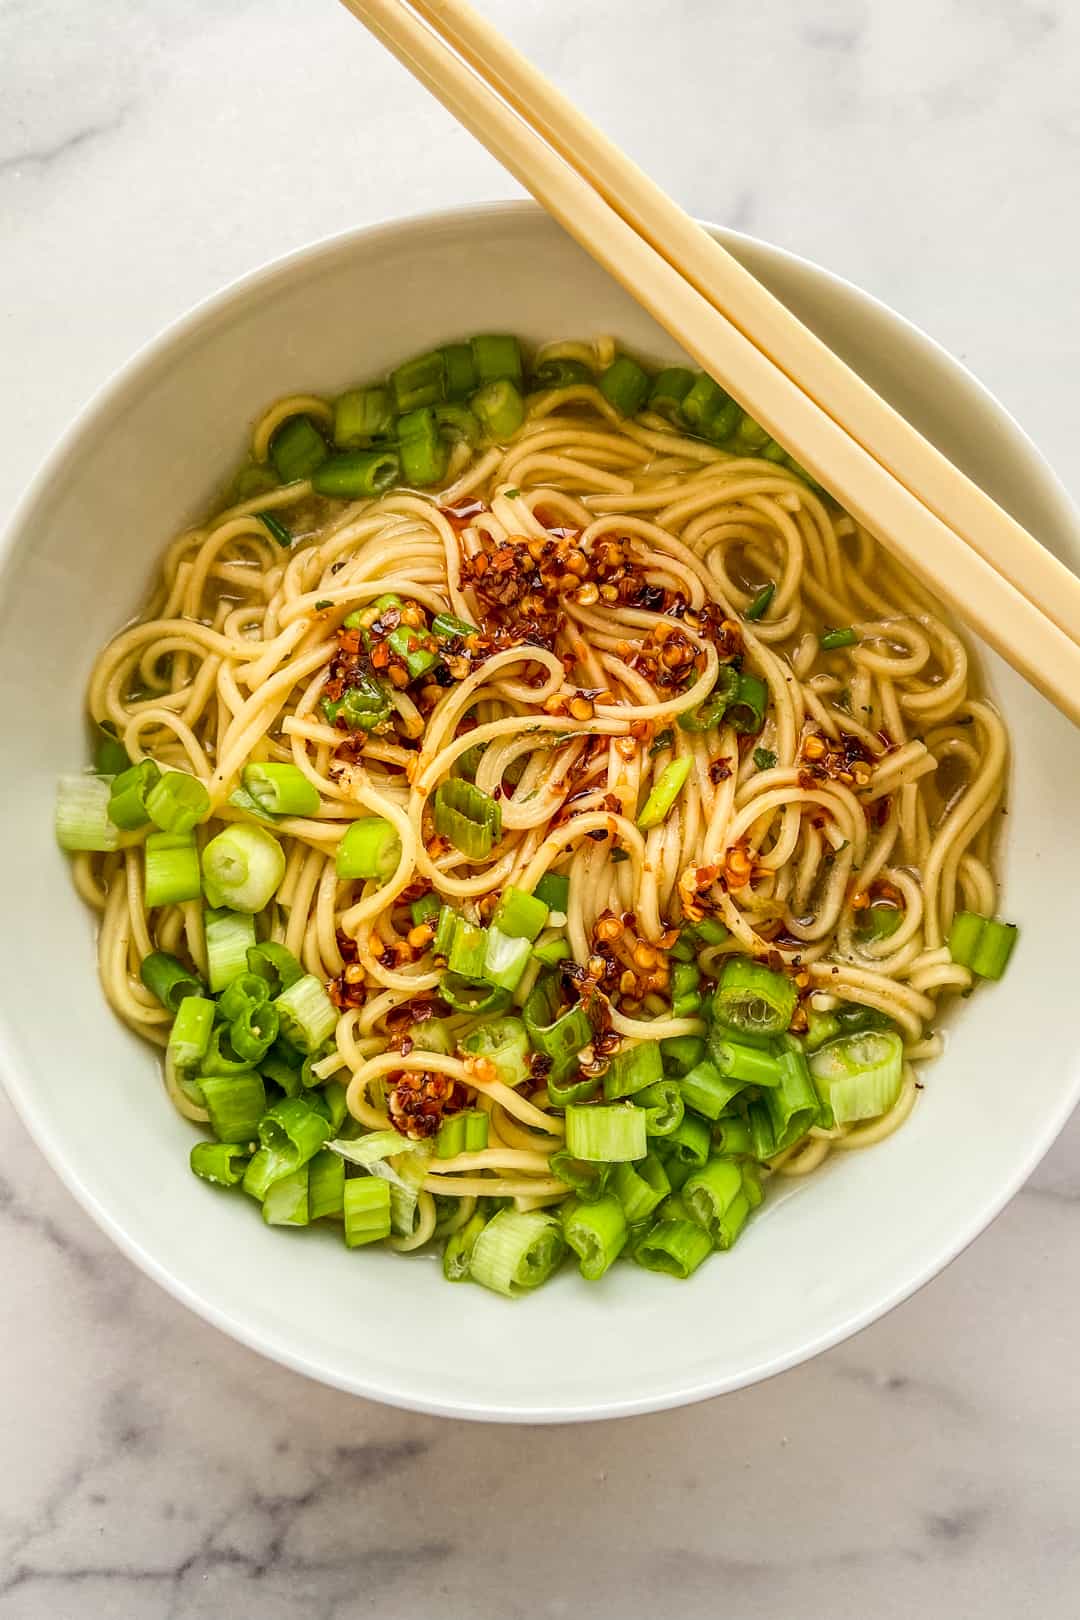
(155, 1469)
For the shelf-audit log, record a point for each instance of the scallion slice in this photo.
(499, 408)
(275, 965)
(281, 789)
(297, 448)
(520, 915)
(554, 890)
(588, 1181)
(423, 450)
(633, 1068)
(740, 1063)
(167, 978)
(366, 1206)
(362, 416)
(625, 385)
(557, 1036)
(470, 819)
(130, 790)
(496, 355)
(605, 1134)
(326, 1185)
(517, 1251)
(457, 1256)
(983, 944)
(242, 868)
(505, 1044)
(236, 1103)
(664, 1107)
(505, 959)
(859, 1076)
(110, 755)
(371, 848)
(177, 802)
(676, 1248)
(596, 1232)
(710, 1192)
(189, 1036)
(307, 1014)
(230, 935)
(82, 814)
(421, 381)
(687, 1144)
(746, 709)
(287, 1201)
(223, 1163)
(172, 872)
(753, 1000)
(640, 1188)
(666, 789)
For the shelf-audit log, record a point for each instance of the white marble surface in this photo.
(150, 152)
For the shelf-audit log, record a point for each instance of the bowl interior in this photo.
(820, 1261)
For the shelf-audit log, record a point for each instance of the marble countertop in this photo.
(153, 1469)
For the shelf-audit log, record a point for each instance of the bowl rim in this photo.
(123, 386)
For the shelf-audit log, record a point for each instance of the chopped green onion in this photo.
(247, 990)
(554, 890)
(661, 742)
(127, 800)
(496, 356)
(676, 1248)
(707, 1091)
(663, 1105)
(559, 373)
(471, 820)
(625, 385)
(575, 1088)
(499, 408)
(178, 802)
(230, 935)
(276, 529)
(750, 437)
(242, 868)
(221, 1057)
(831, 640)
(236, 1103)
(859, 1076)
(281, 789)
(357, 475)
(286, 1202)
(553, 951)
(468, 996)
(361, 416)
(753, 1000)
(633, 1068)
(640, 1188)
(241, 799)
(371, 848)
(596, 1232)
(709, 1193)
(746, 710)
(457, 1256)
(710, 714)
(460, 369)
(364, 706)
(167, 978)
(505, 1044)
(687, 1144)
(682, 1052)
(764, 759)
(731, 1135)
(466, 1132)
(366, 1205)
(982, 944)
(425, 910)
(416, 647)
(276, 965)
(445, 930)
(421, 381)
(605, 1134)
(110, 755)
(458, 425)
(505, 959)
(469, 949)
(223, 1163)
(708, 410)
(297, 448)
(517, 1250)
(326, 1185)
(588, 1181)
(253, 1031)
(760, 605)
(711, 931)
(189, 1036)
(557, 1036)
(666, 789)
(307, 1014)
(423, 450)
(449, 628)
(793, 1105)
(879, 921)
(670, 387)
(172, 869)
(519, 915)
(751, 1178)
(747, 1065)
(292, 1132)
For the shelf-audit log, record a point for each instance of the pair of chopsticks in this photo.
(952, 535)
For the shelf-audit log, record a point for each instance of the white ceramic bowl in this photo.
(819, 1262)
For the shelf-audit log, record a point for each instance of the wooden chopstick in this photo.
(771, 327)
(1033, 644)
